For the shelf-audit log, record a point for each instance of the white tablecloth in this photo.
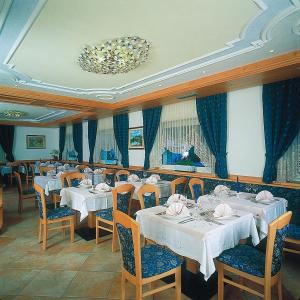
(83, 201)
(263, 213)
(163, 185)
(198, 239)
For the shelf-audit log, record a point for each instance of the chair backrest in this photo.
(80, 168)
(178, 185)
(43, 170)
(109, 174)
(32, 167)
(40, 197)
(122, 196)
(148, 196)
(122, 175)
(196, 186)
(19, 183)
(73, 179)
(129, 237)
(276, 235)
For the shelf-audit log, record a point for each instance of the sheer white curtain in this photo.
(179, 129)
(105, 139)
(288, 167)
(69, 145)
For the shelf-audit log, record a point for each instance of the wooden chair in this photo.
(109, 176)
(29, 173)
(252, 264)
(178, 185)
(122, 175)
(80, 168)
(23, 194)
(196, 186)
(148, 195)
(1, 208)
(44, 170)
(293, 238)
(14, 167)
(52, 216)
(162, 262)
(73, 179)
(122, 196)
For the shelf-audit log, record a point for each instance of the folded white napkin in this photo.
(264, 196)
(51, 173)
(77, 166)
(66, 166)
(103, 187)
(221, 189)
(98, 171)
(43, 164)
(87, 170)
(60, 168)
(133, 178)
(151, 180)
(86, 182)
(176, 198)
(59, 174)
(155, 176)
(177, 209)
(222, 210)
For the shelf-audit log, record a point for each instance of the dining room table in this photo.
(86, 201)
(199, 236)
(264, 212)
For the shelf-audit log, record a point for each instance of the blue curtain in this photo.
(121, 125)
(151, 119)
(92, 133)
(77, 139)
(7, 133)
(281, 108)
(212, 115)
(62, 139)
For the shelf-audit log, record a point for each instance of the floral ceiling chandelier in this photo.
(119, 55)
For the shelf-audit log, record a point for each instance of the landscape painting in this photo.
(36, 142)
(136, 140)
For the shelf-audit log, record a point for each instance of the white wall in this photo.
(245, 144)
(20, 150)
(136, 157)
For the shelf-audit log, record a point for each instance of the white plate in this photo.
(86, 185)
(265, 201)
(224, 218)
(176, 217)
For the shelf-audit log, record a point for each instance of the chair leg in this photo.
(138, 291)
(279, 287)
(114, 240)
(267, 291)
(45, 236)
(178, 283)
(97, 232)
(72, 229)
(40, 231)
(123, 286)
(220, 281)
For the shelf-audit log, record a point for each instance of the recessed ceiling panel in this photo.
(30, 113)
(179, 31)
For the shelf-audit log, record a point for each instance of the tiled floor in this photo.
(78, 271)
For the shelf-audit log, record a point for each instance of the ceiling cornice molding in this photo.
(254, 36)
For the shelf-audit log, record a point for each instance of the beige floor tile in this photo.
(90, 285)
(68, 261)
(49, 283)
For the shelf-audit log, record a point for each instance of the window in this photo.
(179, 129)
(105, 139)
(69, 145)
(288, 166)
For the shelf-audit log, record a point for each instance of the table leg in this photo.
(91, 219)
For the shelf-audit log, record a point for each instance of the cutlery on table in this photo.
(186, 221)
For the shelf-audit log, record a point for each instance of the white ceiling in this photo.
(190, 39)
(34, 113)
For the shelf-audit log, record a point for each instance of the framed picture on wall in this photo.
(35, 142)
(136, 138)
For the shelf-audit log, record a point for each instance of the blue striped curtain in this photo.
(77, 140)
(151, 119)
(92, 133)
(212, 115)
(121, 126)
(281, 108)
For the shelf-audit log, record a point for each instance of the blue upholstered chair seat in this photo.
(157, 260)
(246, 259)
(59, 212)
(293, 232)
(29, 191)
(105, 214)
